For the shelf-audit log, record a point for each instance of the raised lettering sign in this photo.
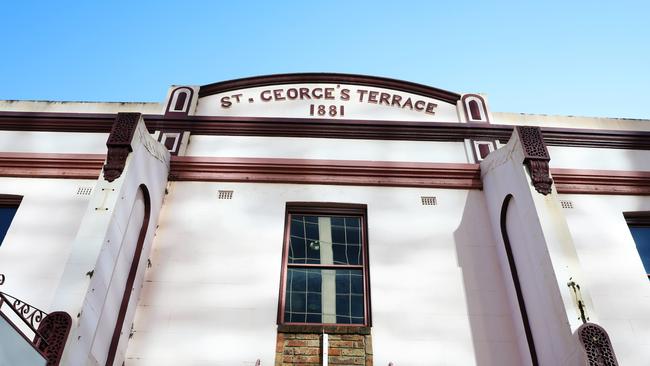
(333, 101)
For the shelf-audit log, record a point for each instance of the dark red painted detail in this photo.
(326, 208)
(473, 110)
(484, 150)
(180, 101)
(10, 200)
(184, 96)
(536, 157)
(334, 78)
(169, 143)
(302, 127)
(119, 144)
(119, 324)
(596, 345)
(55, 329)
(516, 282)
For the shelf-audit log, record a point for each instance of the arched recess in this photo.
(475, 108)
(507, 203)
(179, 101)
(143, 194)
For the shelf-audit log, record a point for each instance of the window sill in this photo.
(319, 328)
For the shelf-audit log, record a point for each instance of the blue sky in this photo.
(586, 58)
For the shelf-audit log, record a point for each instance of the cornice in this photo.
(35, 165)
(340, 129)
(611, 182)
(337, 172)
(314, 171)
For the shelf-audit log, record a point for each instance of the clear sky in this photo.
(587, 58)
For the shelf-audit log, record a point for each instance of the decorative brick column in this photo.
(305, 349)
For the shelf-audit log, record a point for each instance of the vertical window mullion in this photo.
(325, 269)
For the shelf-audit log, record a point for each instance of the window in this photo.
(639, 224)
(8, 207)
(325, 270)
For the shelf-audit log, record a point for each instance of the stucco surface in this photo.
(435, 280)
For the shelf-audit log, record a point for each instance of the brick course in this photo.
(304, 349)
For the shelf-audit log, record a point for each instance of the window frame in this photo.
(10, 201)
(325, 209)
(637, 219)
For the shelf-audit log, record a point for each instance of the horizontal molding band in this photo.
(56, 122)
(306, 127)
(336, 172)
(35, 165)
(335, 78)
(303, 171)
(10, 200)
(612, 182)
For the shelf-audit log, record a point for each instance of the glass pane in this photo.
(6, 215)
(641, 237)
(325, 240)
(325, 296)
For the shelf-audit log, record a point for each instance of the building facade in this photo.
(321, 219)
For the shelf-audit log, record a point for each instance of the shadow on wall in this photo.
(489, 313)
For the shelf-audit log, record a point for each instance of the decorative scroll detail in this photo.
(597, 346)
(29, 314)
(55, 328)
(119, 144)
(50, 330)
(536, 157)
(2, 279)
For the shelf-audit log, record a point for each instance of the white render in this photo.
(611, 265)
(235, 301)
(207, 284)
(53, 142)
(327, 149)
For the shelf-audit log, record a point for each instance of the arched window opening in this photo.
(474, 110)
(181, 97)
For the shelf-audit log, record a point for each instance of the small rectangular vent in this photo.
(566, 204)
(225, 195)
(429, 201)
(84, 191)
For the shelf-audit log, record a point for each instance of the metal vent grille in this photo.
(566, 204)
(84, 191)
(225, 195)
(429, 201)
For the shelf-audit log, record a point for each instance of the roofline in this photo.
(319, 77)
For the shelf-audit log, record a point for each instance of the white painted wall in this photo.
(436, 285)
(39, 240)
(79, 107)
(599, 159)
(617, 282)
(318, 148)
(53, 142)
(546, 120)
